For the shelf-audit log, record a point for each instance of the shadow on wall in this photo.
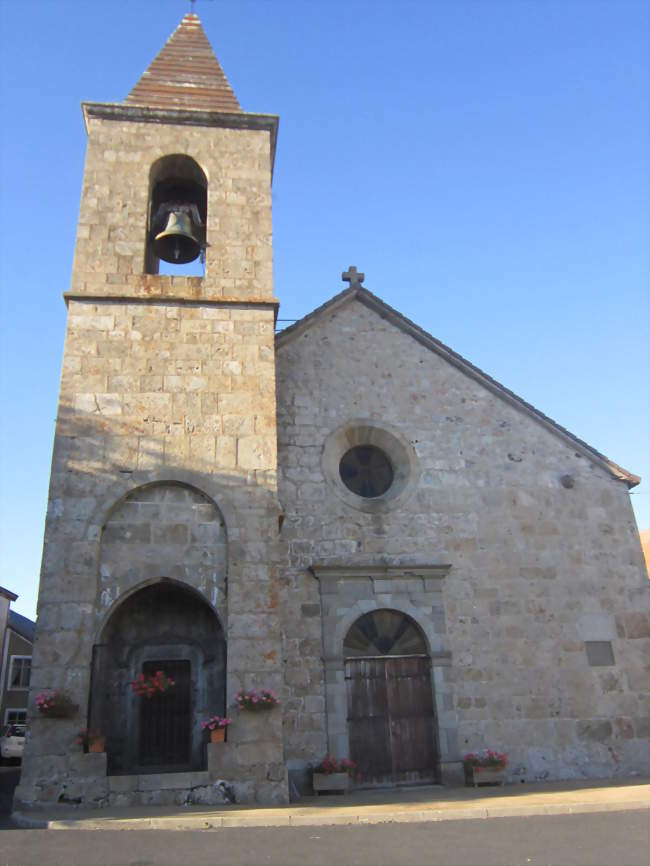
(164, 626)
(134, 499)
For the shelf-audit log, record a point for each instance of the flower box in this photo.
(484, 775)
(329, 782)
(264, 699)
(56, 705)
(97, 745)
(63, 711)
(485, 767)
(218, 735)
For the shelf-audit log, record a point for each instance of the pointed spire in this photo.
(185, 74)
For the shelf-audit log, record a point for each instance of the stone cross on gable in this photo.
(353, 277)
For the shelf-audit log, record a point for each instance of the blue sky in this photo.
(485, 163)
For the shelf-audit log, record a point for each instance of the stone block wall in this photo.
(168, 385)
(110, 250)
(163, 530)
(252, 757)
(537, 570)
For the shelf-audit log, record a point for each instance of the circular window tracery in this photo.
(366, 470)
(369, 465)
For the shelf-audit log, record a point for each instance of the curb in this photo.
(219, 822)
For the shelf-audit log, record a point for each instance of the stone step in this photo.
(159, 781)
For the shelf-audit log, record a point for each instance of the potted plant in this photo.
(334, 774)
(148, 687)
(485, 767)
(55, 705)
(91, 741)
(264, 699)
(216, 728)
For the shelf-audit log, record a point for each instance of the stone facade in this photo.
(183, 471)
(534, 569)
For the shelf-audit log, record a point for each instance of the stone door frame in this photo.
(348, 593)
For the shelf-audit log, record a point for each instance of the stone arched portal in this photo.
(168, 627)
(390, 708)
(165, 529)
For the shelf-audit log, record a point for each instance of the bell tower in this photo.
(162, 534)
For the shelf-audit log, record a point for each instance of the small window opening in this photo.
(599, 653)
(177, 216)
(366, 470)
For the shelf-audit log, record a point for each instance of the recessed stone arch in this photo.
(349, 593)
(163, 529)
(160, 626)
(434, 640)
(384, 631)
(124, 597)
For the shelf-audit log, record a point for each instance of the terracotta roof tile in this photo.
(185, 74)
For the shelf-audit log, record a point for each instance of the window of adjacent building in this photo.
(366, 470)
(599, 653)
(15, 717)
(20, 670)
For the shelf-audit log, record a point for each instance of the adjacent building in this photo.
(15, 670)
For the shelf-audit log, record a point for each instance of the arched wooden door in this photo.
(391, 717)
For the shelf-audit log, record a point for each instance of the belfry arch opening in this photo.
(392, 729)
(176, 217)
(162, 627)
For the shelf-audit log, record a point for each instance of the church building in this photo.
(348, 514)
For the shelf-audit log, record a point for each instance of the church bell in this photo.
(177, 243)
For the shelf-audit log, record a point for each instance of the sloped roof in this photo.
(185, 75)
(7, 593)
(399, 321)
(21, 624)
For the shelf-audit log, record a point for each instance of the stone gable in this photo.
(536, 569)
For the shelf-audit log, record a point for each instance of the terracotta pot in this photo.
(218, 735)
(97, 745)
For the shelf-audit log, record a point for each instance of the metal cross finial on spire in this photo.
(192, 5)
(353, 277)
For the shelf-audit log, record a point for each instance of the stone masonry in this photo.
(182, 469)
(534, 570)
(166, 380)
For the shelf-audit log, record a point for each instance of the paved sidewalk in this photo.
(364, 807)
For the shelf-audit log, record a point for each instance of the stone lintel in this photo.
(172, 300)
(185, 117)
(385, 572)
(336, 663)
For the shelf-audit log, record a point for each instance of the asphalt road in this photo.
(605, 839)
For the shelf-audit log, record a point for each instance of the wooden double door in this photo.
(391, 719)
